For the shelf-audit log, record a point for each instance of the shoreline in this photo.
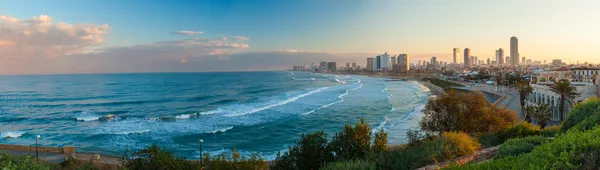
(433, 90)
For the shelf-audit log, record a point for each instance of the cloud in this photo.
(40, 37)
(189, 33)
(241, 38)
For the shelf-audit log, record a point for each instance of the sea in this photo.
(253, 112)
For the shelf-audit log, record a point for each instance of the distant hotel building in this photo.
(455, 56)
(514, 51)
(404, 61)
(370, 64)
(467, 57)
(500, 56)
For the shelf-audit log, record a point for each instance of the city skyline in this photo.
(48, 37)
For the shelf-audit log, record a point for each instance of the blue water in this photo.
(262, 112)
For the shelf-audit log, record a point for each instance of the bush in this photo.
(573, 150)
(523, 129)
(489, 139)
(580, 112)
(551, 131)
(352, 143)
(155, 157)
(309, 153)
(588, 123)
(447, 146)
(514, 147)
(350, 165)
(465, 112)
(458, 144)
(8, 161)
(234, 161)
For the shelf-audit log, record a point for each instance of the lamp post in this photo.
(201, 141)
(36, 147)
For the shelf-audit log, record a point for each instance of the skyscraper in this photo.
(455, 56)
(514, 50)
(523, 61)
(507, 60)
(434, 60)
(467, 57)
(488, 61)
(394, 61)
(404, 60)
(370, 64)
(500, 56)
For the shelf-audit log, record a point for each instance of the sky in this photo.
(93, 36)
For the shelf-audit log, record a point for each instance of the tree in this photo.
(309, 153)
(567, 93)
(524, 89)
(352, 143)
(543, 114)
(466, 112)
(498, 80)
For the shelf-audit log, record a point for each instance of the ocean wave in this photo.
(341, 97)
(381, 125)
(11, 134)
(277, 104)
(308, 79)
(222, 130)
(86, 117)
(187, 116)
(133, 132)
(338, 80)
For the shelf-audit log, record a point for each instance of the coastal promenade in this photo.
(509, 100)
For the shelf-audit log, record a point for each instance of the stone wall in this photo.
(21, 148)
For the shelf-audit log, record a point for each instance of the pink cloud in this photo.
(189, 33)
(40, 36)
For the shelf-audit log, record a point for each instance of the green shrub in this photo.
(8, 161)
(233, 160)
(350, 165)
(155, 157)
(551, 131)
(573, 150)
(309, 153)
(429, 151)
(580, 112)
(443, 83)
(352, 142)
(489, 139)
(513, 147)
(523, 129)
(588, 123)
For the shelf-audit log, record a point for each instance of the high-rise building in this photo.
(514, 51)
(347, 66)
(507, 60)
(474, 61)
(394, 61)
(370, 64)
(404, 61)
(455, 56)
(500, 56)
(467, 57)
(377, 62)
(434, 60)
(523, 61)
(331, 66)
(488, 61)
(354, 65)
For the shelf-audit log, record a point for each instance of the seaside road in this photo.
(54, 158)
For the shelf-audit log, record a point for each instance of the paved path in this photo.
(510, 102)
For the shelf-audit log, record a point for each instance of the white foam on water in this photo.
(86, 117)
(341, 97)
(133, 132)
(222, 130)
(187, 116)
(277, 104)
(11, 134)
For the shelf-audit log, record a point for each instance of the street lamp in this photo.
(36, 147)
(201, 141)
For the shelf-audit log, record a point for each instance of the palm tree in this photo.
(543, 114)
(567, 93)
(498, 80)
(529, 112)
(524, 90)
